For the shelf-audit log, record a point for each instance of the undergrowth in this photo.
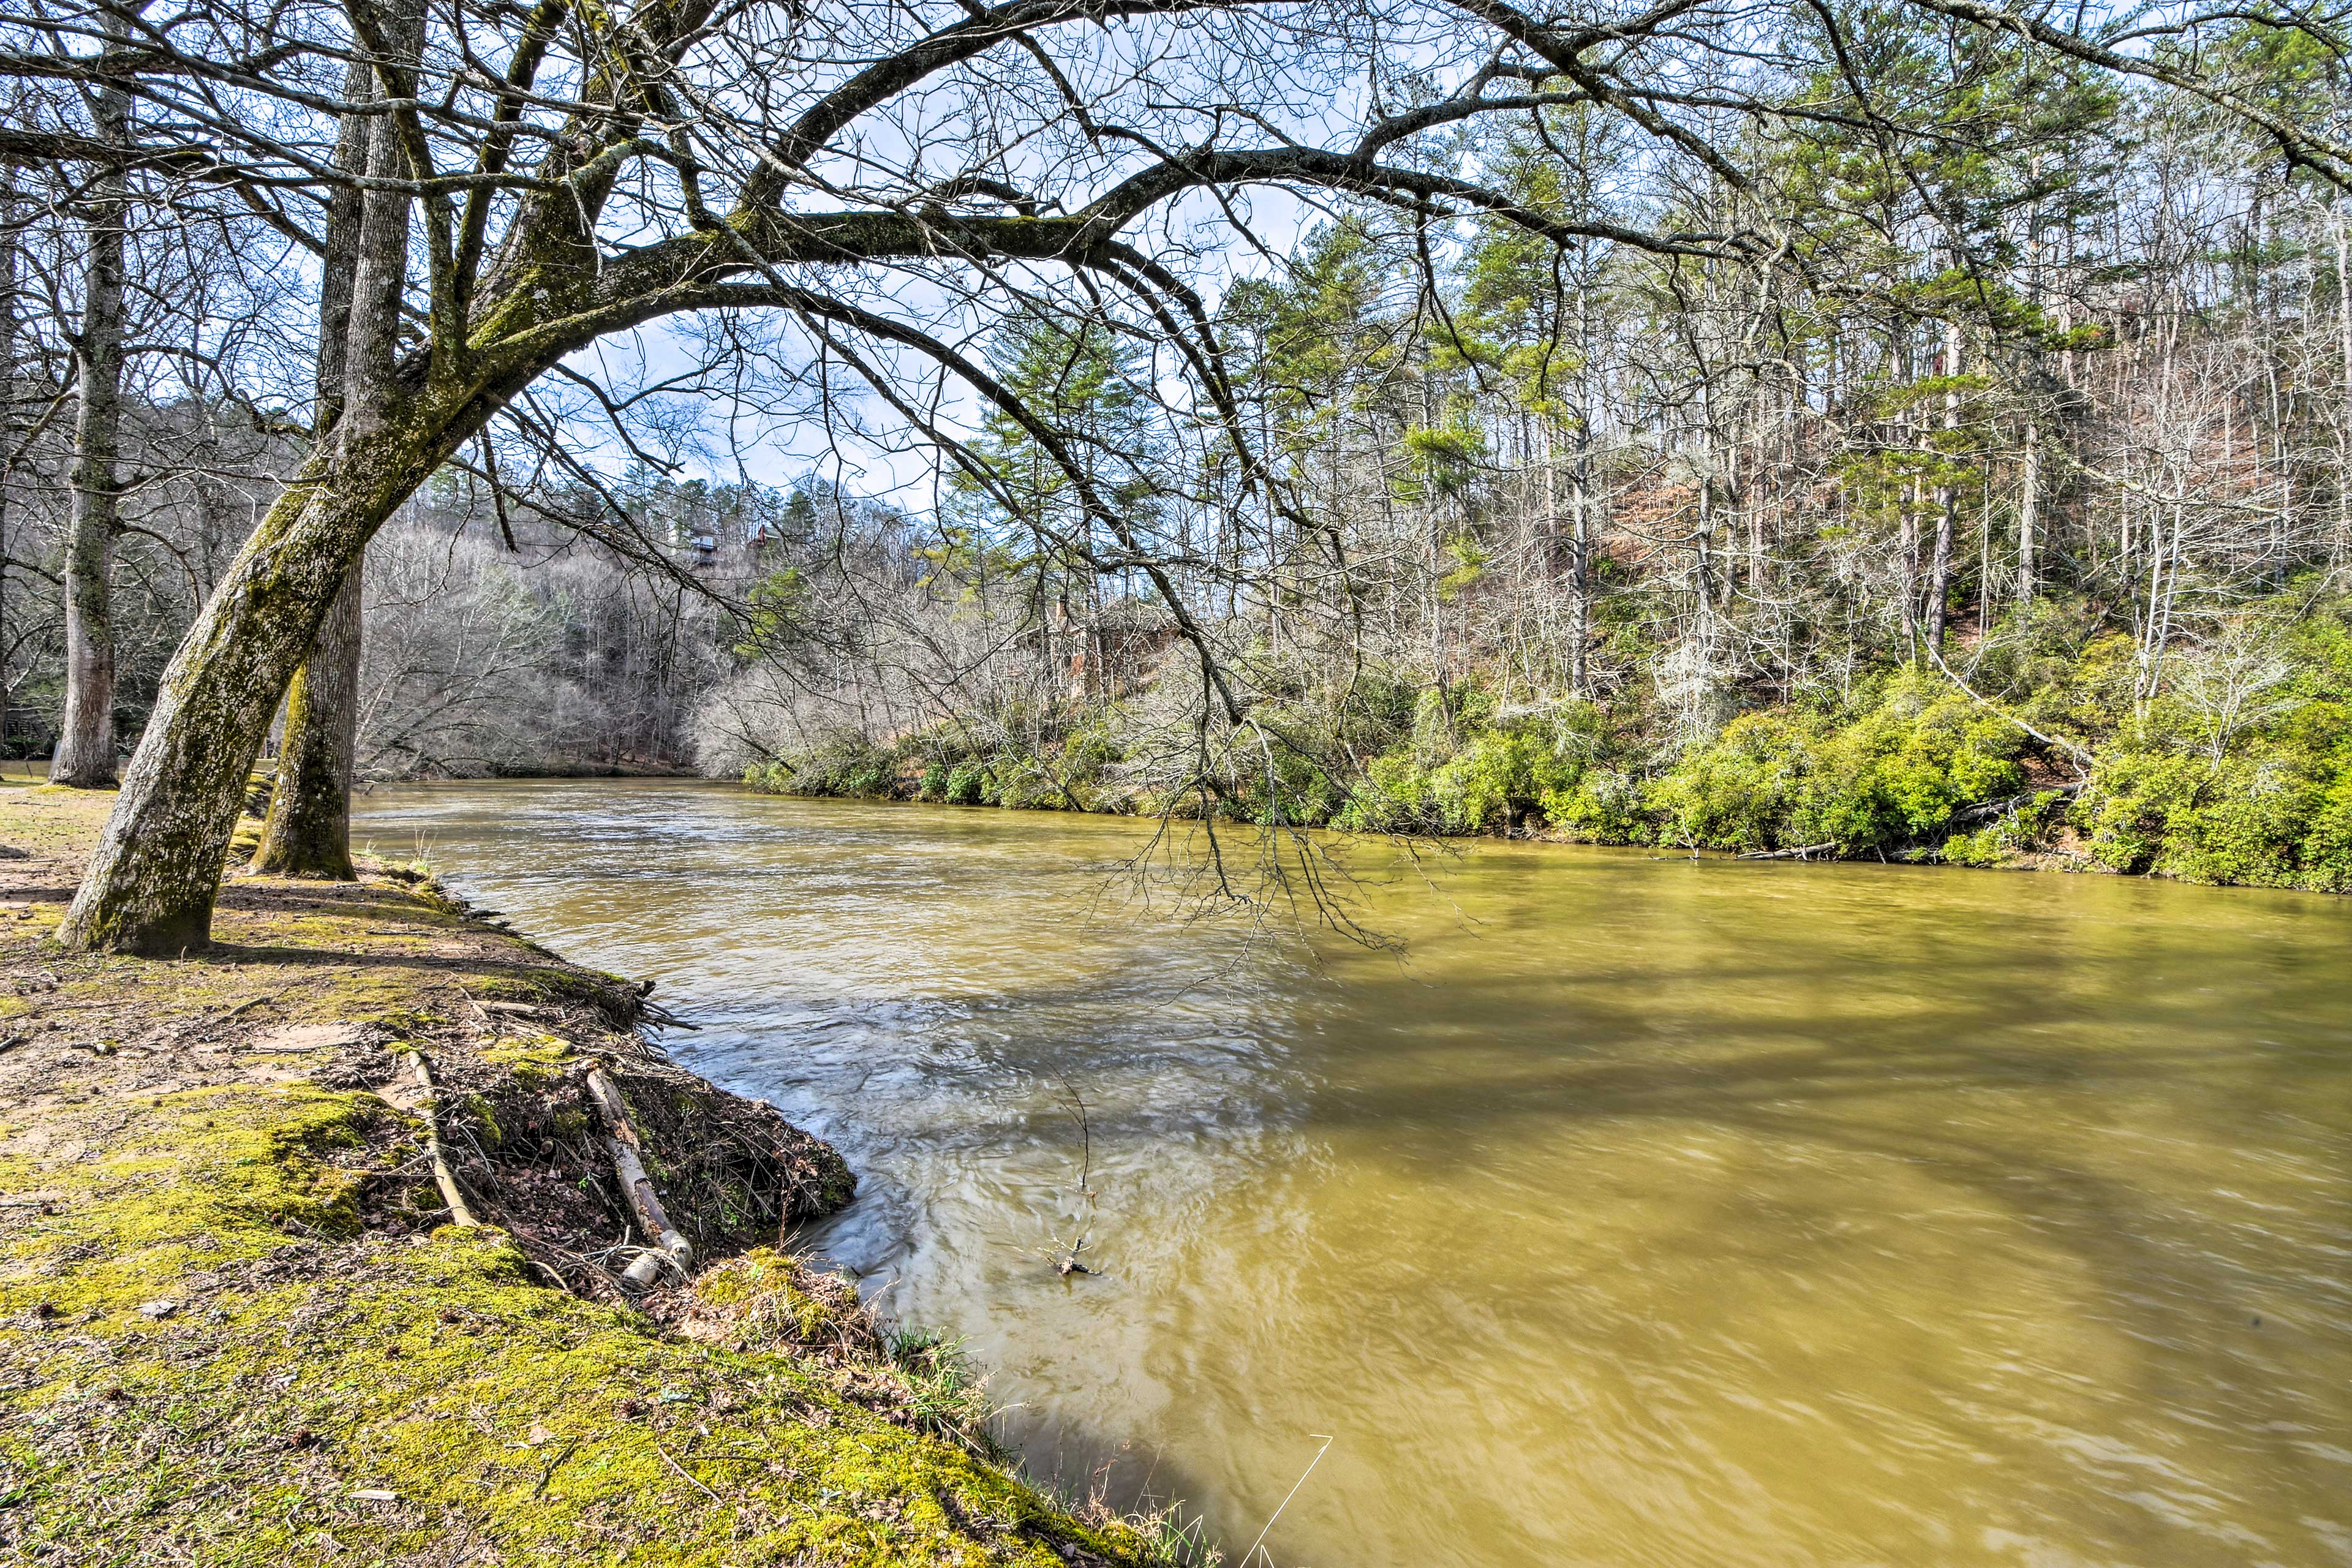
(2228, 760)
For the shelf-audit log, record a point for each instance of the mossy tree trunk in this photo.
(85, 749)
(13, 219)
(152, 883)
(153, 879)
(306, 832)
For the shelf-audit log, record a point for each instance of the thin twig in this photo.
(1086, 1137)
(1287, 1497)
(554, 1464)
(689, 1474)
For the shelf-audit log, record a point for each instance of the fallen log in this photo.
(1807, 853)
(443, 1177)
(629, 1168)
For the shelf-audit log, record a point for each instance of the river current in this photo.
(1640, 1212)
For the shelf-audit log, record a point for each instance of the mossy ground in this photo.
(233, 1328)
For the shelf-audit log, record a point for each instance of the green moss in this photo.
(245, 840)
(484, 1122)
(766, 1298)
(209, 1351)
(531, 1422)
(533, 1061)
(538, 1425)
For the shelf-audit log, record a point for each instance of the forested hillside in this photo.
(1995, 509)
(578, 638)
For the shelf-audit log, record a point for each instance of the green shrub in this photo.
(1890, 776)
(967, 783)
(1743, 791)
(2274, 810)
(2020, 831)
(1278, 785)
(1606, 806)
(1463, 772)
(2201, 783)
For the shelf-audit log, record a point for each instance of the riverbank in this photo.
(237, 1325)
(2050, 756)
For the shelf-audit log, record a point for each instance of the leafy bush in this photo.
(845, 765)
(1607, 806)
(2274, 811)
(1885, 778)
(1467, 771)
(968, 783)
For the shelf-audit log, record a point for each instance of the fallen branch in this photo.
(2053, 741)
(1807, 853)
(620, 1140)
(1995, 807)
(443, 1177)
(661, 1017)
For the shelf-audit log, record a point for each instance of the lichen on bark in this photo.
(308, 830)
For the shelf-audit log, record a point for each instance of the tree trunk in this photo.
(2029, 505)
(85, 750)
(379, 270)
(157, 867)
(306, 832)
(1940, 564)
(1907, 567)
(152, 882)
(2343, 541)
(1579, 564)
(11, 239)
(1939, 570)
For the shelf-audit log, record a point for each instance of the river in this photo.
(1644, 1211)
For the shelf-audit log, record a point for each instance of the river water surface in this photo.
(1648, 1213)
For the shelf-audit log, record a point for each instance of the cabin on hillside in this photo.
(1108, 652)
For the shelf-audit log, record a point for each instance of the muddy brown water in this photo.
(1650, 1211)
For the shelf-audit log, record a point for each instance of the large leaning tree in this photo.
(877, 175)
